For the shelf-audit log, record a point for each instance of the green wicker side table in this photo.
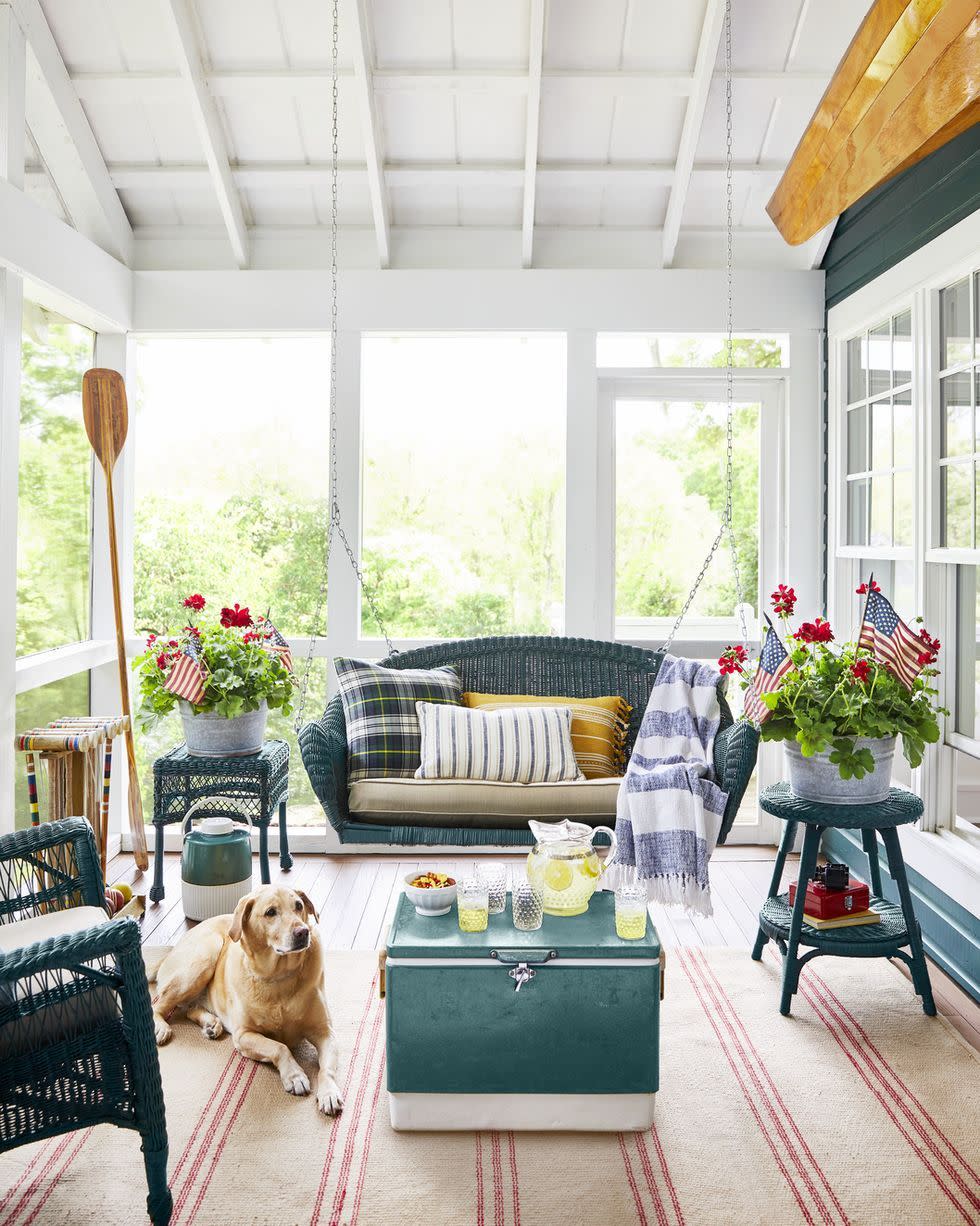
(897, 927)
(260, 780)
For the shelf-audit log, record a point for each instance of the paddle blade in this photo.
(105, 413)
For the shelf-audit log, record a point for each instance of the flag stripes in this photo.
(889, 640)
(774, 663)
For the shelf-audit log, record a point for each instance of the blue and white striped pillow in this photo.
(512, 745)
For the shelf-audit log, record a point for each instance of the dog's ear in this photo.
(307, 904)
(240, 918)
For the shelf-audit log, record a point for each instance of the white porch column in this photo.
(583, 513)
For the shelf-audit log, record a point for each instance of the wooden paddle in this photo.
(106, 417)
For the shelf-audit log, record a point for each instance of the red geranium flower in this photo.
(861, 670)
(172, 643)
(863, 589)
(732, 659)
(250, 636)
(236, 616)
(930, 653)
(162, 660)
(818, 631)
(195, 602)
(783, 600)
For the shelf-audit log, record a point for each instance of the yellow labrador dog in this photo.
(259, 975)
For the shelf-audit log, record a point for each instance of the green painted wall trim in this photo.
(950, 934)
(903, 215)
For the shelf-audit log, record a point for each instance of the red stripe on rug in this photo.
(644, 1155)
(498, 1179)
(351, 1064)
(710, 1014)
(220, 1148)
(354, 1120)
(902, 1095)
(214, 1123)
(44, 1155)
(631, 1179)
(192, 1140)
(480, 1213)
(72, 1155)
(675, 1200)
(776, 1099)
(514, 1184)
(845, 1041)
(358, 1191)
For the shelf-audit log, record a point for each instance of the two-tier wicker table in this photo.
(259, 782)
(897, 927)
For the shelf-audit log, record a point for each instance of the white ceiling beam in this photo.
(535, 67)
(711, 32)
(65, 140)
(208, 125)
(371, 130)
(263, 84)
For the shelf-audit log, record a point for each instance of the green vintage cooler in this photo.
(554, 1029)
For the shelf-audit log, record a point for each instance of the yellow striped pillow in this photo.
(599, 727)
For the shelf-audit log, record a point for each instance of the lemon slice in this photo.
(590, 867)
(558, 876)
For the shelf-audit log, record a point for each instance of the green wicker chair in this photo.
(76, 1027)
(515, 665)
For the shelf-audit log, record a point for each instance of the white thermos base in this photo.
(206, 901)
(521, 1112)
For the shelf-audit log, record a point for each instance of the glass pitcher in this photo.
(564, 865)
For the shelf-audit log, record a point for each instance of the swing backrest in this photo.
(529, 664)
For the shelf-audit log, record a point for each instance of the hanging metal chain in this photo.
(727, 528)
(333, 512)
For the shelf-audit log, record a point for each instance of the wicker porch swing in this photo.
(518, 664)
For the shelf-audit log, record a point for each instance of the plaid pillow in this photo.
(383, 737)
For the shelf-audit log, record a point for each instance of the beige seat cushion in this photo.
(468, 803)
(27, 1024)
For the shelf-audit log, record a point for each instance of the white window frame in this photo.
(935, 848)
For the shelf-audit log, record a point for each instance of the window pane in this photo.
(857, 440)
(857, 512)
(879, 359)
(881, 435)
(903, 429)
(35, 709)
(649, 349)
(957, 505)
(857, 369)
(896, 580)
(903, 507)
(54, 490)
(957, 414)
(967, 655)
(231, 476)
(902, 349)
(881, 511)
(670, 497)
(463, 483)
(954, 309)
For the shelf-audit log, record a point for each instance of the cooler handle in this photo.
(210, 800)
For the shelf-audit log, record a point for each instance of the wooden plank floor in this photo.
(355, 896)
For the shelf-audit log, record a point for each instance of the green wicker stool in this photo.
(260, 780)
(898, 926)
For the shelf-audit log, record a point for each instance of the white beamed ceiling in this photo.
(449, 81)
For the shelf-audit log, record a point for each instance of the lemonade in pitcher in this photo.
(564, 865)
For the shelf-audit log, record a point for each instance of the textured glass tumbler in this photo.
(471, 901)
(495, 876)
(527, 903)
(631, 911)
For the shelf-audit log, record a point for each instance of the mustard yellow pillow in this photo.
(599, 727)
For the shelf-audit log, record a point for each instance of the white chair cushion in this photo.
(53, 924)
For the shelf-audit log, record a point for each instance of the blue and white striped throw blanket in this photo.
(670, 809)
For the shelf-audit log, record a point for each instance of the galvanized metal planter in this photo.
(210, 735)
(818, 778)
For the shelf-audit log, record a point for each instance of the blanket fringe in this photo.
(675, 890)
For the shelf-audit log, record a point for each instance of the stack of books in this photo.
(846, 908)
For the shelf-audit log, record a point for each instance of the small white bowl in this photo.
(431, 901)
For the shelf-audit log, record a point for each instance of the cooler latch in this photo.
(521, 966)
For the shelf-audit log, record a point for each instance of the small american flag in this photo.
(889, 640)
(276, 645)
(187, 677)
(774, 663)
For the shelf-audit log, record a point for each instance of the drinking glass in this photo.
(631, 911)
(495, 876)
(526, 900)
(472, 900)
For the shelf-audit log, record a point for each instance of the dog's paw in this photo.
(295, 1081)
(213, 1029)
(328, 1097)
(162, 1031)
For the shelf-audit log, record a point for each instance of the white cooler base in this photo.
(521, 1112)
(203, 902)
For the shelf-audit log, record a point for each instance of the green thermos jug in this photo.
(215, 863)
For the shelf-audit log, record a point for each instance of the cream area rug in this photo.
(857, 1109)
